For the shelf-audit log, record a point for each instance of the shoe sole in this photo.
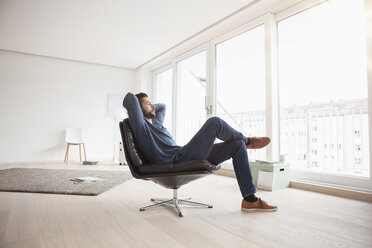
(259, 209)
(248, 147)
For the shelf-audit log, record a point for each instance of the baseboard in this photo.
(226, 173)
(332, 190)
(325, 189)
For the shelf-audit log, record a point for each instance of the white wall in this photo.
(144, 81)
(41, 96)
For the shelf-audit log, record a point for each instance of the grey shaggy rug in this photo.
(59, 181)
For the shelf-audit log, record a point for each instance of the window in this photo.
(191, 91)
(163, 93)
(322, 72)
(240, 84)
(322, 65)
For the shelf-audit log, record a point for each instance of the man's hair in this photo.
(140, 96)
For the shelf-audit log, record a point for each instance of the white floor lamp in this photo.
(118, 114)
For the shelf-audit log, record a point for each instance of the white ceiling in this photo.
(124, 33)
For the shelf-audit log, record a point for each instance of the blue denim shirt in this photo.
(154, 140)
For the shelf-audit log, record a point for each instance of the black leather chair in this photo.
(171, 176)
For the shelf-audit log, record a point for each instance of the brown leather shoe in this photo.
(258, 142)
(258, 205)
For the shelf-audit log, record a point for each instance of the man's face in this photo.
(148, 108)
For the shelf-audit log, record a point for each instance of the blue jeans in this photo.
(202, 146)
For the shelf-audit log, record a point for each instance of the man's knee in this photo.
(240, 144)
(239, 149)
(236, 147)
(214, 121)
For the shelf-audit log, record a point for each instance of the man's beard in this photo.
(148, 115)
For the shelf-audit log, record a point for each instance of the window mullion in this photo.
(174, 100)
(272, 92)
(368, 9)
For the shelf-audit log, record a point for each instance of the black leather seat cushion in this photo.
(194, 165)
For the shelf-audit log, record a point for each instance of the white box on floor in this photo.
(265, 180)
(280, 171)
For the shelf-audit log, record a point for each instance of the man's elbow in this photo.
(128, 99)
(161, 106)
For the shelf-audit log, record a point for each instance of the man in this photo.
(158, 146)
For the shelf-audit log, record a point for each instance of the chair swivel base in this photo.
(175, 202)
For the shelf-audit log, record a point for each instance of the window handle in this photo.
(209, 110)
(207, 107)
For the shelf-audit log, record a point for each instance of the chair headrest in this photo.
(135, 157)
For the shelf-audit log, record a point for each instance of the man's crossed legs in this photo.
(234, 146)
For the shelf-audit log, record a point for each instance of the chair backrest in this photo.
(74, 136)
(133, 155)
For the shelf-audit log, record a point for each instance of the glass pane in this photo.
(191, 114)
(323, 88)
(163, 87)
(240, 77)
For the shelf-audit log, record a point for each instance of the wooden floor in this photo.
(112, 219)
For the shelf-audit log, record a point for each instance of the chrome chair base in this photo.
(175, 202)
